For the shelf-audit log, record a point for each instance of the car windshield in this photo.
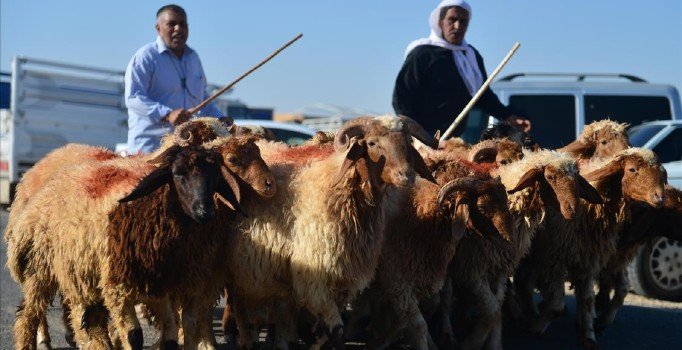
(639, 135)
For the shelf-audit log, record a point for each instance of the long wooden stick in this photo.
(221, 91)
(479, 93)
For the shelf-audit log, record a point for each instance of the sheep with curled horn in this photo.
(323, 232)
(122, 174)
(579, 250)
(480, 269)
(420, 242)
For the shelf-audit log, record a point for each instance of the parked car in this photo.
(292, 134)
(657, 269)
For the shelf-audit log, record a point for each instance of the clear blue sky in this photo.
(351, 50)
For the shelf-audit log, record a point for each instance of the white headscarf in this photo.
(464, 55)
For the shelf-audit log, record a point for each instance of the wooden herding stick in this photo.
(221, 91)
(479, 93)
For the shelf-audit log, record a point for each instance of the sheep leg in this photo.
(37, 298)
(524, 288)
(190, 319)
(124, 319)
(621, 286)
(331, 322)
(248, 334)
(442, 312)
(284, 315)
(387, 325)
(417, 328)
(68, 333)
(584, 294)
(205, 331)
(89, 323)
(553, 299)
(495, 338)
(165, 316)
(606, 285)
(43, 338)
(489, 310)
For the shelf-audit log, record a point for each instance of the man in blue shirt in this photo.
(162, 81)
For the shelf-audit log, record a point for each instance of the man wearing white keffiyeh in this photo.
(442, 72)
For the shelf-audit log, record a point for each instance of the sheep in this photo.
(421, 241)
(448, 150)
(30, 183)
(599, 139)
(106, 168)
(205, 129)
(318, 241)
(578, 250)
(540, 182)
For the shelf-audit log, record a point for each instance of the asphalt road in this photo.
(641, 324)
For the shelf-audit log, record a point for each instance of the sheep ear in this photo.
(486, 227)
(228, 191)
(161, 156)
(612, 168)
(458, 226)
(586, 191)
(528, 179)
(150, 183)
(420, 166)
(354, 152)
(576, 148)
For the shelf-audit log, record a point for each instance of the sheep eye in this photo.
(632, 170)
(371, 143)
(503, 162)
(233, 160)
(603, 142)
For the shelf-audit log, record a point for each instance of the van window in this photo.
(629, 109)
(670, 148)
(552, 117)
(641, 134)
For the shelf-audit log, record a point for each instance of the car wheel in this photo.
(657, 270)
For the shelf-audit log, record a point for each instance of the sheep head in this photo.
(486, 203)
(381, 149)
(506, 130)
(559, 187)
(599, 139)
(639, 174)
(194, 175)
(499, 151)
(243, 159)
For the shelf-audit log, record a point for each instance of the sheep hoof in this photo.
(135, 339)
(170, 345)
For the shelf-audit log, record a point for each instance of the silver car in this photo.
(657, 270)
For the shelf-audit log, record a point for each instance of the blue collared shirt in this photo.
(157, 82)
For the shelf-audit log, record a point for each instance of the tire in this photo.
(656, 271)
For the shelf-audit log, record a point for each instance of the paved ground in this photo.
(642, 324)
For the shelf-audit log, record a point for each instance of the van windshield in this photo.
(640, 134)
(629, 109)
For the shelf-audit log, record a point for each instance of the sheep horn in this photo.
(467, 184)
(161, 156)
(353, 128)
(418, 132)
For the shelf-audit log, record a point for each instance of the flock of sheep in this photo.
(378, 228)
